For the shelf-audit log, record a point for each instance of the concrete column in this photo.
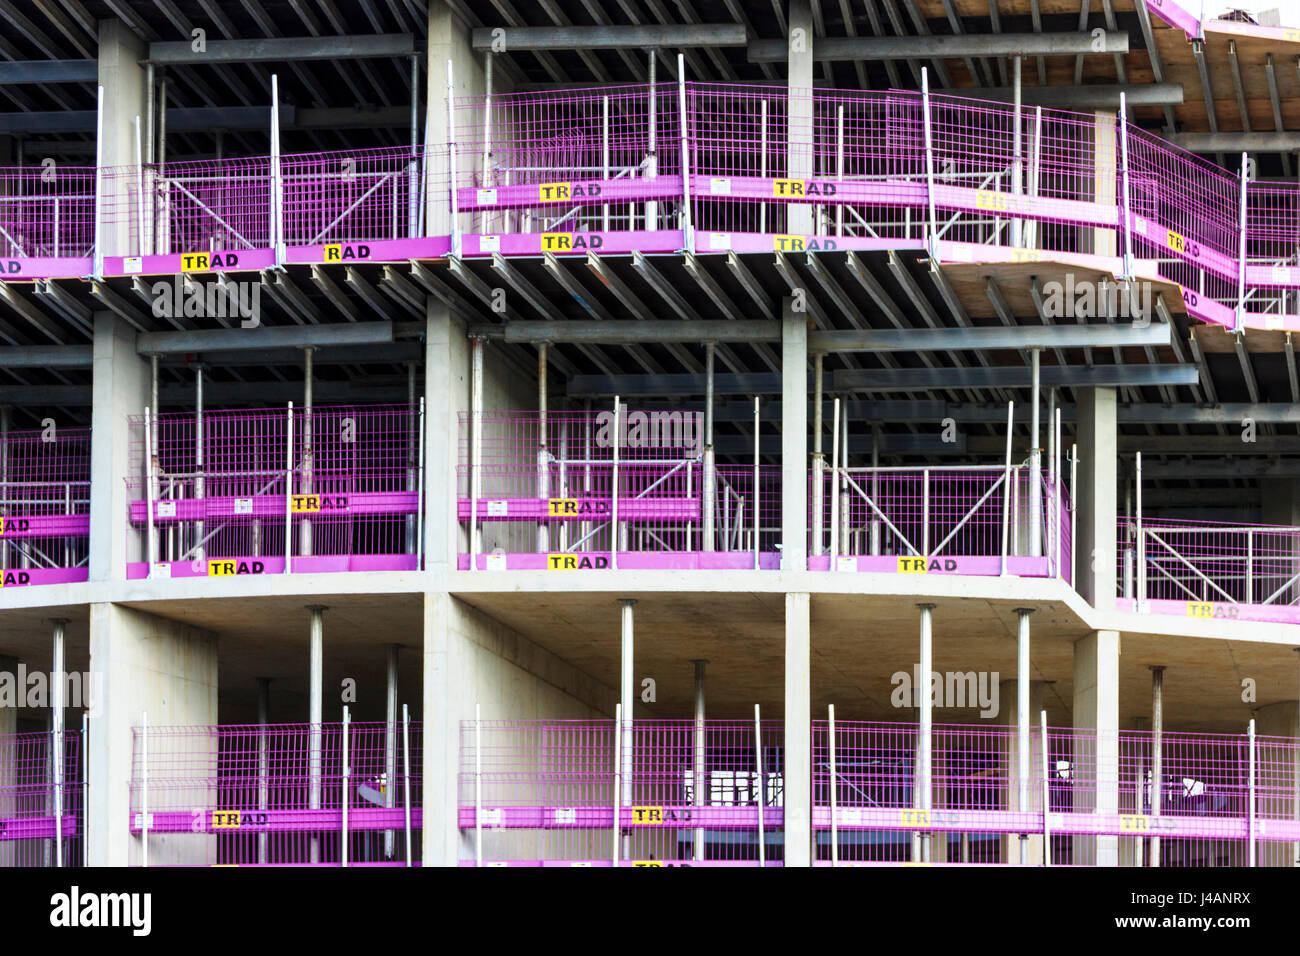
(8, 770)
(448, 38)
(315, 715)
(1281, 798)
(444, 381)
(1095, 516)
(1096, 756)
(798, 730)
(924, 785)
(148, 665)
(263, 759)
(699, 783)
(1101, 189)
(1009, 690)
(123, 80)
(627, 695)
(794, 438)
(799, 137)
(121, 388)
(447, 701)
(391, 731)
(1157, 752)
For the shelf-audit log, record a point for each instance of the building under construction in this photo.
(711, 433)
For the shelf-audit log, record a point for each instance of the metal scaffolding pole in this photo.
(699, 784)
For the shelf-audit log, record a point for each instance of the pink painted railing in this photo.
(275, 794)
(600, 170)
(1210, 569)
(344, 481)
(41, 804)
(47, 212)
(44, 506)
(545, 791)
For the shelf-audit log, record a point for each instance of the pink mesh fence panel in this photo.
(45, 498)
(47, 211)
(353, 488)
(39, 801)
(255, 794)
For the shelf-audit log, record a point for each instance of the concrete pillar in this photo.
(1157, 753)
(1095, 517)
(627, 696)
(794, 438)
(8, 770)
(798, 729)
(446, 702)
(924, 785)
(315, 714)
(444, 381)
(799, 137)
(699, 761)
(448, 39)
(121, 388)
(1095, 769)
(148, 665)
(1008, 690)
(123, 80)
(1279, 789)
(1101, 189)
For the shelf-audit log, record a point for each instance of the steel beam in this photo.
(630, 333)
(1057, 376)
(944, 46)
(665, 35)
(270, 49)
(18, 72)
(1101, 96)
(1284, 142)
(46, 356)
(988, 337)
(265, 337)
(890, 380)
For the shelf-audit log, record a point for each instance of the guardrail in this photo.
(220, 493)
(600, 170)
(42, 783)
(562, 793)
(44, 506)
(333, 794)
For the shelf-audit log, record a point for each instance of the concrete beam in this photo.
(18, 72)
(610, 37)
(207, 118)
(268, 49)
(46, 356)
(831, 49)
(265, 337)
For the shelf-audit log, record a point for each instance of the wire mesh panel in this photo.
(1204, 562)
(216, 205)
(44, 505)
(546, 485)
(41, 806)
(686, 792)
(275, 794)
(344, 480)
(47, 211)
(352, 196)
(570, 162)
